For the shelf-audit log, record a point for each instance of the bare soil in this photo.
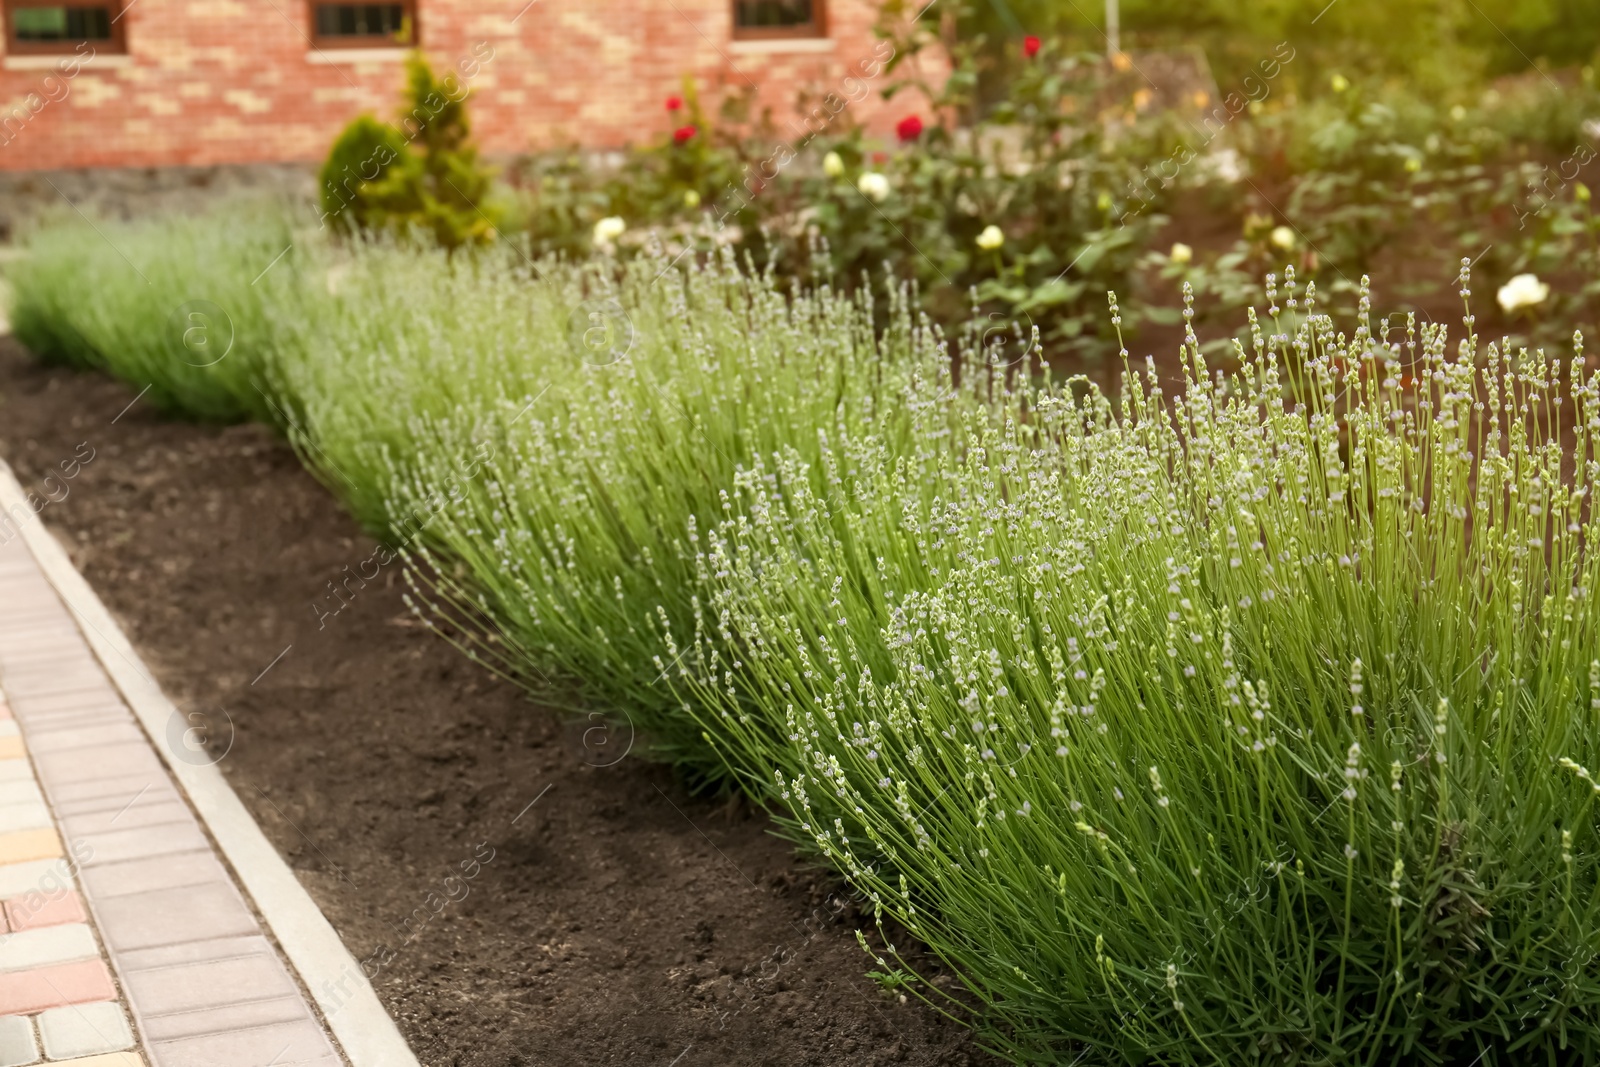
(519, 904)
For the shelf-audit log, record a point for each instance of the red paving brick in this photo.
(36, 909)
(27, 992)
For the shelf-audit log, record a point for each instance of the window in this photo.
(778, 18)
(38, 27)
(363, 25)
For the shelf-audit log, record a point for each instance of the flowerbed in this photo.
(1249, 724)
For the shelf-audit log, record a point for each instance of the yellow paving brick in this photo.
(24, 845)
(11, 748)
(113, 1059)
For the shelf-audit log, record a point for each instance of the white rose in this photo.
(874, 186)
(991, 238)
(609, 229)
(1523, 291)
(833, 165)
(1181, 253)
(1282, 237)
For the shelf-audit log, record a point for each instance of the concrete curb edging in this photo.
(366, 1034)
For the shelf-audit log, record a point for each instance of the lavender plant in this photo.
(189, 308)
(1207, 728)
(603, 412)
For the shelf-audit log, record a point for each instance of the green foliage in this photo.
(371, 179)
(1054, 184)
(1466, 40)
(192, 308)
(421, 175)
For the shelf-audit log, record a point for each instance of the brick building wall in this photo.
(207, 82)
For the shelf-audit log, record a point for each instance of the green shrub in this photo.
(371, 178)
(422, 175)
(1040, 167)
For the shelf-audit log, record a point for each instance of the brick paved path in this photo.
(124, 940)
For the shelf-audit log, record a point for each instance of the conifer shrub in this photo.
(419, 175)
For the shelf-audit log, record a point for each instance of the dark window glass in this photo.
(771, 14)
(361, 20)
(61, 23)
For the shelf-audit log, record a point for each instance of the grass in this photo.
(1248, 724)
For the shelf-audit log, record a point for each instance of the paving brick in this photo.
(84, 1030)
(115, 1059)
(30, 949)
(44, 618)
(168, 916)
(69, 652)
(11, 748)
(31, 595)
(63, 679)
(42, 626)
(179, 955)
(169, 809)
(227, 1018)
(112, 880)
(35, 876)
(25, 992)
(75, 798)
(39, 653)
(9, 728)
(26, 815)
(45, 681)
(38, 909)
(97, 761)
(17, 1046)
(45, 741)
(214, 983)
(15, 770)
(23, 845)
(143, 842)
(101, 698)
(301, 1044)
(74, 718)
(19, 791)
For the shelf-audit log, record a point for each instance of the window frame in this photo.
(116, 44)
(408, 12)
(816, 29)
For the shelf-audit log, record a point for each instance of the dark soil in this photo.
(615, 920)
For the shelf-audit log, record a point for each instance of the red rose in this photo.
(674, 103)
(1030, 46)
(909, 128)
(880, 158)
(683, 133)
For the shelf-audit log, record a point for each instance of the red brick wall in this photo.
(233, 81)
